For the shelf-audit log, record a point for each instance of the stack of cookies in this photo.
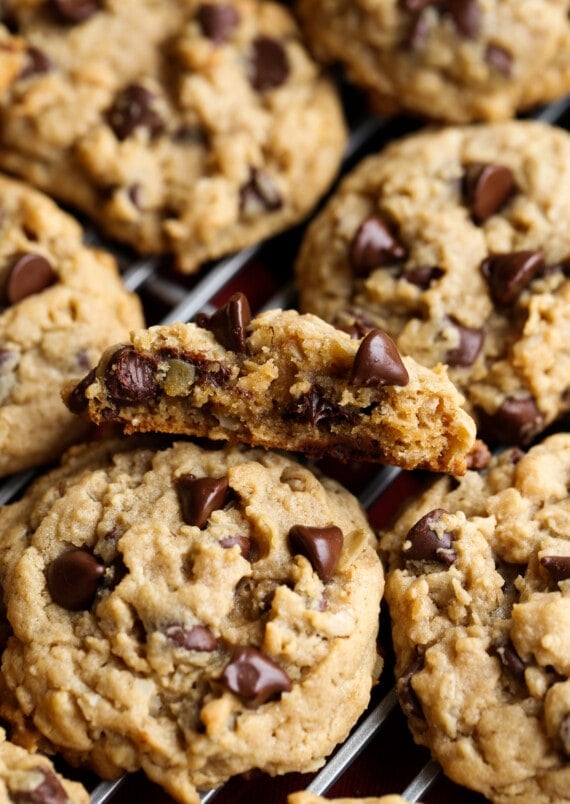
(185, 591)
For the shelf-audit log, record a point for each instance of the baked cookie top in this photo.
(31, 777)
(457, 243)
(182, 127)
(61, 303)
(478, 592)
(192, 612)
(280, 380)
(456, 62)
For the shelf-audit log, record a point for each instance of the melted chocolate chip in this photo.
(378, 362)
(374, 245)
(130, 376)
(132, 109)
(558, 567)
(422, 275)
(486, 188)
(76, 10)
(259, 195)
(500, 59)
(244, 543)
(37, 62)
(314, 407)
(322, 546)
(509, 274)
(466, 16)
(77, 401)
(269, 65)
(425, 544)
(29, 273)
(217, 21)
(409, 701)
(48, 791)
(196, 637)
(479, 456)
(517, 421)
(73, 579)
(470, 343)
(254, 676)
(229, 323)
(199, 496)
(511, 660)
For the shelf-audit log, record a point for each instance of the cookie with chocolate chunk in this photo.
(191, 128)
(192, 612)
(280, 380)
(61, 303)
(456, 61)
(479, 595)
(457, 243)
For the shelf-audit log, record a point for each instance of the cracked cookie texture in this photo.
(477, 589)
(457, 242)
(180, 127)
(194, 612)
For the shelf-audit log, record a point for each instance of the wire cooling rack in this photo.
(379, 755)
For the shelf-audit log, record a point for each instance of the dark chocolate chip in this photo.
(244, 543)
(486, 188)
(269, 65)
(418, 32)
(469, 346)
(422, 275)
(29, 273)
(409, 701)
(76, 10)
(130, 376)
(378, 362)
(516, 422)
(426, 544)
(558, 567)
(229, 323)
(509, 274)
(466, 16)
(322, 546)
(373, 246)
(77, 401)
(132, 109)
(73, 579)
(254, 676)
(314, 407)
(199, 496)
(259, 194)
(479, 456)
(217, 21)
(511, 660)
(196, 637)
(500, 59)
(37, 62)
(48, 791)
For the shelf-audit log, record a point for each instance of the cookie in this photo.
(456, 61)
(477, 592)
(179, 127)
(192, 612)
(280, 380)
(457, 243)
(311, 798)
(61, 303)
(32, 777)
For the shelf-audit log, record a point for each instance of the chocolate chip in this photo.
(76, 400)
(217, 21)
(466, 16)
(558, 567)
(479, 456)
(199, 496)
(486, 188)
(373, 246)
(76, 10)
(378, 362)
(229, 323)
(499, 58)
(37, 62)
(73, 579)
(48, 791)
(565, 734)
(511, 660)
(269, 65)
(29, 273)
(409, 701)
(130, 376)
(244, 543)
(259, 195)
(196, 637)
(322, 546)
(516, 421)
(509, 274)
(254, 676)
(469, 346)
(418, 32)
(426, 544)
(132, 109)
(422, 275)
(314, 407)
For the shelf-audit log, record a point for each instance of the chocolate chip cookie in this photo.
(182, 127)
(280, 380)
(32, 777)
(457, 243)
(192, 612)
(61, 303)
(477, 591)
(456, 61)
